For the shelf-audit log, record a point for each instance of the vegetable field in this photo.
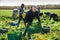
(54, 34)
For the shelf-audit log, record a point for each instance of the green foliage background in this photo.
(54, 25)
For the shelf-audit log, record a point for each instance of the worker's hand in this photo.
(26, 24)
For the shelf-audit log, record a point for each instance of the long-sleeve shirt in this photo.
(30, 15)
(21, 10)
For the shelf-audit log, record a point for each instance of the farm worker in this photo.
(15, 11)
(21, 11)
(30, 15)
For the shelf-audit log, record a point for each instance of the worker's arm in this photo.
(37, 16)
(27, 17)
(39, 22)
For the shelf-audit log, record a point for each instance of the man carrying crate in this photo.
(30, 15)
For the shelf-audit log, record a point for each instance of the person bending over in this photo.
(30, 15)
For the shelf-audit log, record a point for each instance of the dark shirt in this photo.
(31, 15)
(21, 10)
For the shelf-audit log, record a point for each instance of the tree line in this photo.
(29, 6)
